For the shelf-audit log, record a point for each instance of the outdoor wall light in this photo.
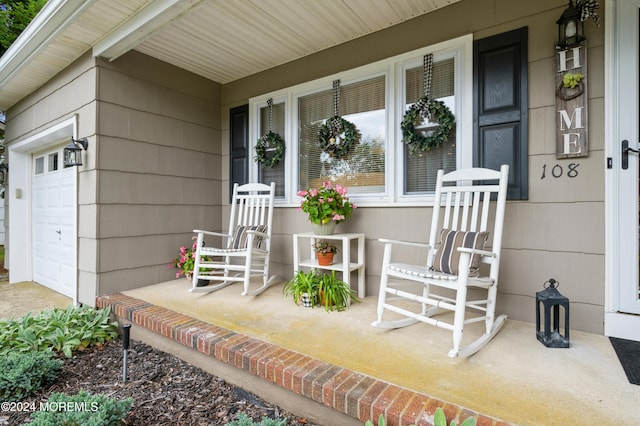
(73, 152)
(4, 170)
(570, 28)
(551, 299)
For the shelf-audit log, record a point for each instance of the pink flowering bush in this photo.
(185, 261)
(326, 203)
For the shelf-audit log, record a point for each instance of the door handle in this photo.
(625, 154)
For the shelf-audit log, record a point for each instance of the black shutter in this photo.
(500, 129)
(239, 146)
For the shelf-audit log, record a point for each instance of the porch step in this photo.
(354, 394)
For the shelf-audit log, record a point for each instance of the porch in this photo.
(333, 367)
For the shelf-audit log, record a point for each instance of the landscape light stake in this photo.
(126, 329)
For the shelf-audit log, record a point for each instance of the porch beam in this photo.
(141, 26)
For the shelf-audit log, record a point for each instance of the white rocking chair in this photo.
(246, 246)
(461, 216)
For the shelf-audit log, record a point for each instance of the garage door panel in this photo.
(51, 236)
(67, 274)
(53, 271)
(39, 198)
(67, 236)
(39, 259)
(53, 195)
(67, 199)
(39, 233)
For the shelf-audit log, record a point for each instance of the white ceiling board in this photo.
(222, 40)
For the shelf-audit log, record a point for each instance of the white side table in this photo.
(342, 263)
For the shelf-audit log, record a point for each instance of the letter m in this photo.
(567, 122)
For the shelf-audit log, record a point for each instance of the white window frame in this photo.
(255, 105)
(461, 49)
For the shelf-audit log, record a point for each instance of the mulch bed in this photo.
(165, 389)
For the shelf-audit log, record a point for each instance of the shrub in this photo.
(82, 409)
(22, 374)
(63, 330)
(244, 420)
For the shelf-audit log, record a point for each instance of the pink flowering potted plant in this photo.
(184, 263)
(326, 206)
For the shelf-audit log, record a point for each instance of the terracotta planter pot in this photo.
(323, 301)
(324, 259)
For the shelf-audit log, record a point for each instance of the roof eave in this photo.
(54, 17)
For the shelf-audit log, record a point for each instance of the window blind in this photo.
(274, 174)
(363, 169)
(421, 169)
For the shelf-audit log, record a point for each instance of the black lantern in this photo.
(73, 152)
(4, 170)
(552, 300)
(570, 28)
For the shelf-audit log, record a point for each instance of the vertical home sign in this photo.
(571, 102)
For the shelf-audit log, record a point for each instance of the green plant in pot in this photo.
(303, 284)
(335, 294)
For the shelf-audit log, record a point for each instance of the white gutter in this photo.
(55, 16)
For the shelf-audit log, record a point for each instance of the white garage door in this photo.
(53, 223)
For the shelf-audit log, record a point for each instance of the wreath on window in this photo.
(270, 149)
(337, 136)
(419, 140)
(433, 110)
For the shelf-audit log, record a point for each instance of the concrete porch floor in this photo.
(514, 378)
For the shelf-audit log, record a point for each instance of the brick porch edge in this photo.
(356, 394)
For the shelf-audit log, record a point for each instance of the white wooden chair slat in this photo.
(467, 206)
(252, 205)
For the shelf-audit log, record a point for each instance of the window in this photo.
(379, 170)
(362, 170)
(277, 173)
(39, 165)
(53, 162)
(420, 170)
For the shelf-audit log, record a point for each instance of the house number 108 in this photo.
(557, 171)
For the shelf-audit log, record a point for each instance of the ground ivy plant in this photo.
(62, 330)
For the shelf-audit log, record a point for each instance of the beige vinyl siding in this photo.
(558, 232)
(158, 168)
(157, 165)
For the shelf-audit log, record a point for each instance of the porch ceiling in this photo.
(222, 40)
